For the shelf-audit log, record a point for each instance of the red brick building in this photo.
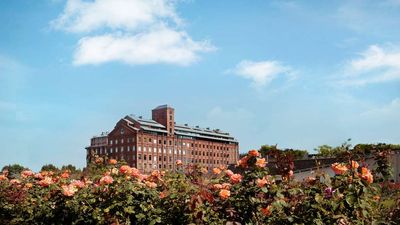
(158, 143)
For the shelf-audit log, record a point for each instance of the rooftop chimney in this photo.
(164, 114)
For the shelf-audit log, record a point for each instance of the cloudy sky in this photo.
(294, 73)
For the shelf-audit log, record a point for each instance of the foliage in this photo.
(110, 192)
(13, 171)
(296, 153)
(329, 151)
(49, 167)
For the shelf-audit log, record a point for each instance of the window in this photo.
(144, 157)
(133, 148)
(149, 157)
(155, 141)
(139, 148)
(122, 141)
(134, 157)
(129, 148)
(111, 150)
(111, 142)
(144, 149)
(116, 142)
(159, 142)
(139, 156)
(122, 149)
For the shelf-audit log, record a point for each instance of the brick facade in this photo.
(160, 142)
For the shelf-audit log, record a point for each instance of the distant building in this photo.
(98, 145)
(158, 143)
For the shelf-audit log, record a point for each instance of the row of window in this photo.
(154, 141)
(154, 150)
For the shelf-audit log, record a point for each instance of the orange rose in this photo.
(47, 181)
(163, 194)
(3, 177)
(226, 186)
(366, 174)
(178, 162)
(290, 173)
(254, 153)
(125, 169)
(151, 184)
(112, 161)
(229, 173)
(224, 194)
(135, 172)
(266, 210)
(261, 182)
(69, 190)
(243, 162)
(99, 160)
(339, 168)
(27, 173)
(106, 180)
(64, 175)
(38, 176)
(78, 183)
(216, 171)
(236, 178)
(217, 186)
(354, 164)
(261, 162)
(28, 185)
(15, 181)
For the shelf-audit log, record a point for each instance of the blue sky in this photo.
(294, 73)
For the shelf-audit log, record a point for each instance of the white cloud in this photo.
(375, 65)
(129, 31)
(83, 16)
(261, 73)
(158, 46)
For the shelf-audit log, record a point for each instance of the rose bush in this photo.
(110, 192)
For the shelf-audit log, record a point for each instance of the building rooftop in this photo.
(182, 130)
(102, 134)
(163, 106)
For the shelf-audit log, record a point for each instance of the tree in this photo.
(49, 167)
(14, 170)
(71, 168)
(265, 149)
(329, 151)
